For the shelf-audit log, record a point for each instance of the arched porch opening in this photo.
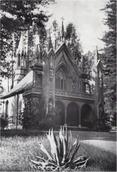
(72, 114)
(87, 116)
(60, 113)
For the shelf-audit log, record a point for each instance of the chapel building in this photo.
(51, 86)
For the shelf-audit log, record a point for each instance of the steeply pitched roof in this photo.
(19, 88)
(65, 48)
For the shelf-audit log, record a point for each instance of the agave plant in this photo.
(62, 155)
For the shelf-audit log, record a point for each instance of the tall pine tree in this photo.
(17, 15)
(73, 42)
(109, 58)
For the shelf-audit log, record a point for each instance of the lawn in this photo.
(16, 152)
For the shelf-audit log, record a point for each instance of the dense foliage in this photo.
(73, 42)
(17, 15)
(3, 123)
(109, 58)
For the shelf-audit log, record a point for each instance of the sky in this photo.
(87, 18)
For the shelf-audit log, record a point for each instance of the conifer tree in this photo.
(73, 42)
(109, 58)
(17, 15)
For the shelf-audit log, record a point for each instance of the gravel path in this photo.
(105, 145)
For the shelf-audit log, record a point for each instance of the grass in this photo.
(16, 152)
(83, 135)
(100, 160)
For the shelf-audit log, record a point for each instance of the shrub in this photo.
(113, 119)
(3, 123)
(104, 123)
(47, 123)
(62, 155)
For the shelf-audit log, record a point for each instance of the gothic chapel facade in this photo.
(52, 86)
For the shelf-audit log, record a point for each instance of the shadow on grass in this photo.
(99, 160)
(21, 133)
(83, 135)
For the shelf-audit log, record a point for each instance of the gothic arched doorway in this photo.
(60, 113)
(72, 114)
(87, 116)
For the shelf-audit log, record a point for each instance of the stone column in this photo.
(79, 117)
(66, 105)
(51, 85)
(6, 109)
(65, 115)
(33, 98)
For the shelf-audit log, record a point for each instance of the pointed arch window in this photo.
(57, 83)
(87, 88)
(62, 84)
(60, 80)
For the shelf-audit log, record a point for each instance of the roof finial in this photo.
(97, 54)
(50, 41)
(62, 30)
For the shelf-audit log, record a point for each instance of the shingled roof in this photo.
(20, 87)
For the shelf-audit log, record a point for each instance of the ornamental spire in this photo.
(50, 45)
(62, 29)
(23, 43)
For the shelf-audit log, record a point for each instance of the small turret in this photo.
(62, 31)
(50, 45)
(21, 54)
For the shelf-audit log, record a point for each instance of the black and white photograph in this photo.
(58, 85)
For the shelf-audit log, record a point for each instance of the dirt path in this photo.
(105, 145)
